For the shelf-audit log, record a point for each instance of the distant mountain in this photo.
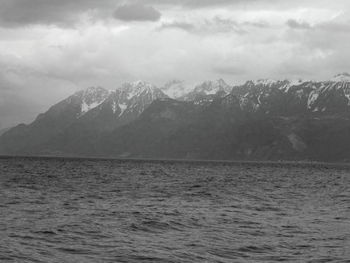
(123, 105)
(74, 124)
(145, 136)
(259, 120)
(207, 91)
(175, 89)
(24, 138)
(287, 97)
(343, 77)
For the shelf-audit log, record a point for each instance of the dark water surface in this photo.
(60, 210)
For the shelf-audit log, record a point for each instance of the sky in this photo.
(51, 48)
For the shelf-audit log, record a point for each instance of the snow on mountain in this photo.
(139, 89)
(207, 91)
(75, 124)
(91, 98)
(265, 82)
(296, 82)
(122, 108)
(128, 101)
(343, 77)
(132, 98)
(314, 96)
(213, 87)
(175, 89)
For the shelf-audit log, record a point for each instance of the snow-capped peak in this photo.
(175, 89)
(343, 77)
(91, 98)
(213, 87)
(94, 91)
(296, 82)
(265, 82)
(137, 88)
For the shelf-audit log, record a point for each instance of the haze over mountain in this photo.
(259, 120)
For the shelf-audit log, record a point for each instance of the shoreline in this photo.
(199, 161)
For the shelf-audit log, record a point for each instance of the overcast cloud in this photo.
(136, 12)
(51, 48)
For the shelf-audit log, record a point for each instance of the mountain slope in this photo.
(259, 120)
(288, 98)
(207, 92)
(145, 136)
(23, 138)
(2, 131)
(123, 105)
(224, 131)
(171, 129)
(74, 124)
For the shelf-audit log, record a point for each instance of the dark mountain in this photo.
(290, 98)
(145, 136)
(121, 107)
(259, 120)
(173, 129)
(22, 139)
(262, 120)
(73, 125)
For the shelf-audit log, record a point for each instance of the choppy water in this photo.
(57, 210)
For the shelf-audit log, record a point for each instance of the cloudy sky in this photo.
(51, 48)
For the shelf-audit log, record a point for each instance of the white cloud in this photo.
(235, 40)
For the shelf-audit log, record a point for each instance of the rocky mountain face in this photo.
(74, 124)
(259, 120)
(207, 92)
(23, 138)
(301, 97)
(343, 77)
(123, 105)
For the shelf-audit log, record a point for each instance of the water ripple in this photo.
(61, 210)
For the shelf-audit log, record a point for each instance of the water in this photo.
(60, 210)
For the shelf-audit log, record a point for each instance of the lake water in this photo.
(76, 210)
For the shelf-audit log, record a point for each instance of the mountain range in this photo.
(258, 120)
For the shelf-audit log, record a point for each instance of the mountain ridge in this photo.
(258, 120)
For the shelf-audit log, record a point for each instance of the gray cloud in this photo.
(13, 108)
(335, 27)
(203, 3)
(259, 24)
(230, 70)
(235, 39)
(327, 26)
(177, 25)
(25, 92)
(214, 25)
(298, 25)
(137, 12)
(15, 13)
(226, 25)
